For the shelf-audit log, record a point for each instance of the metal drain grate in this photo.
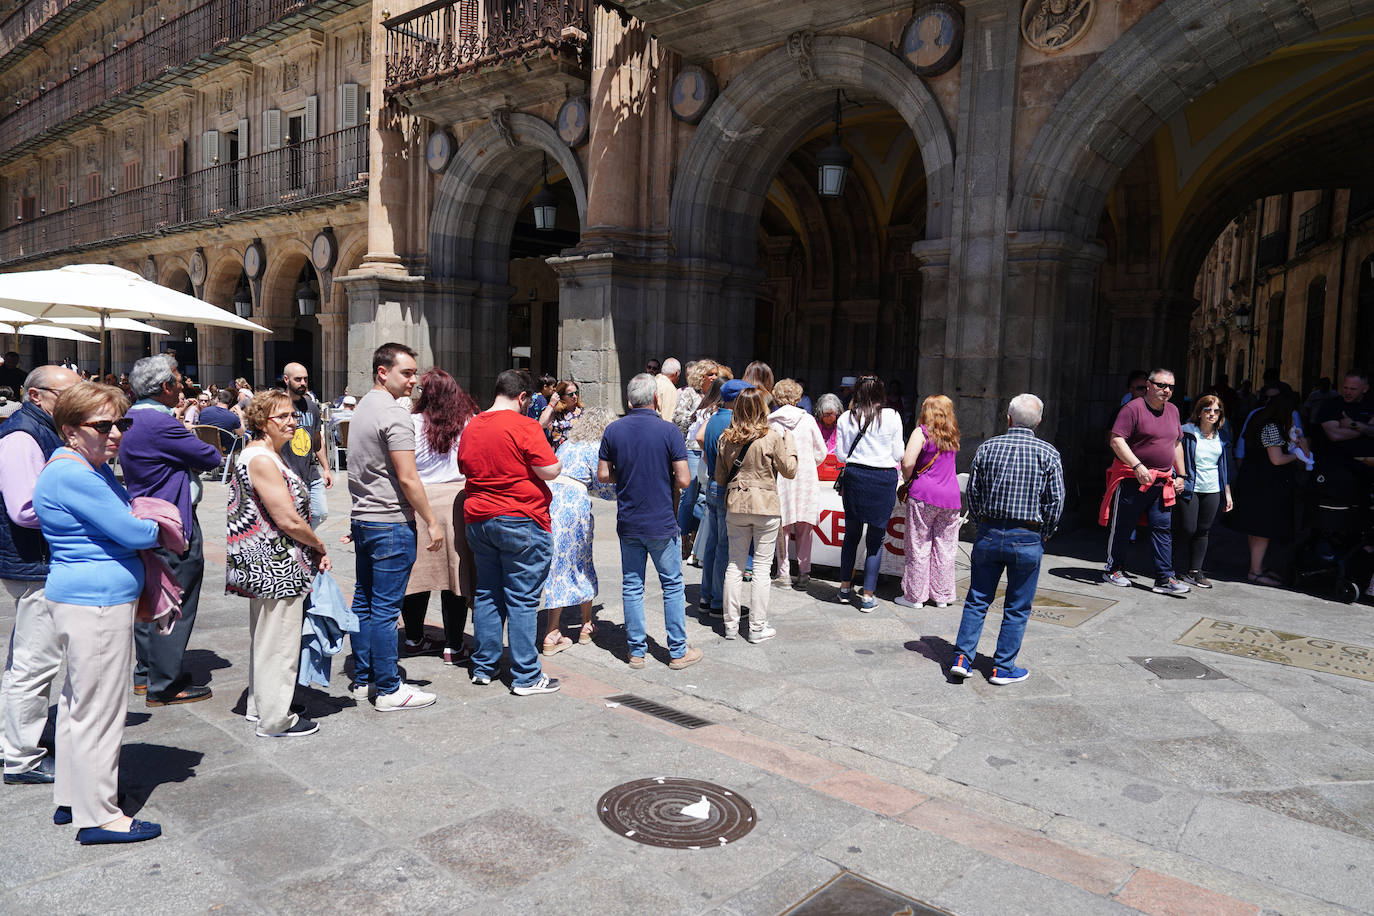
(1177, 668)
(658, 710)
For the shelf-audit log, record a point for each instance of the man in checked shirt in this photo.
(1016, 492)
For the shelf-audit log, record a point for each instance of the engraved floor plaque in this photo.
(848, 894)
(1310, 652)
(1063, 609)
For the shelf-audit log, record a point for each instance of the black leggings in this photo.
(453, 608)
(1196, 516)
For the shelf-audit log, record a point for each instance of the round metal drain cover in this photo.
(676, 813)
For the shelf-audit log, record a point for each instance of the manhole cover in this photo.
(848, 894)
(676, 813)
(1177, 668)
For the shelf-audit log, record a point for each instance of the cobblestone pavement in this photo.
(1096, 786)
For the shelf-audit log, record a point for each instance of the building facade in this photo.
(976, 198)
(1289, 285)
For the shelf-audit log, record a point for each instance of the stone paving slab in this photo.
(1093, 787)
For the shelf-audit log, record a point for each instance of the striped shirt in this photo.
(1017, 476)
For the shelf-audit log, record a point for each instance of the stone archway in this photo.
(760, 117)
(481, 193)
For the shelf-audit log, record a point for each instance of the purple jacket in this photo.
(159, 455)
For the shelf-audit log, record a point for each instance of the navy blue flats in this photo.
(138, 832)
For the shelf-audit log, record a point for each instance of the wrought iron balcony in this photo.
(705, 29)
(1272, 250)
(1314, 226)
(32, 19)
(452, 36)
(308, 174)
(204, 37)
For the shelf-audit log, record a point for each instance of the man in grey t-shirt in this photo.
(387, 495)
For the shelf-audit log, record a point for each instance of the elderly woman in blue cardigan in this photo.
(93, 585)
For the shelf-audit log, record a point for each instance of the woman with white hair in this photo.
(572, 574)
(797, 495)
(828, 410)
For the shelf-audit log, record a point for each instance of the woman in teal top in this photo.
(93, 584)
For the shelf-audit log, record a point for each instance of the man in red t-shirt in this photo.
(1147, 441)
(506, 459)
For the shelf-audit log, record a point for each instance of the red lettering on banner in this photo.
(830, 527)
(896, 532)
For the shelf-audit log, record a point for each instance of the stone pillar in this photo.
(388, 191)
(331, 377)
(216, 354)
(976, 297)
(383, 307)
(623, 66)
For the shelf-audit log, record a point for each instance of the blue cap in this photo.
(731, 389)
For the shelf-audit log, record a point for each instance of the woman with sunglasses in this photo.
(1207, 483)
(562, 413)
(271, 557)
(94, 581)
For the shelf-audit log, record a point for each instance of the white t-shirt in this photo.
(881, 447)
(434, 467)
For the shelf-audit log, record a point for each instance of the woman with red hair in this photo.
(440, 413)
(931, 491)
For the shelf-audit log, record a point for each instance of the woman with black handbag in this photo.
(869, 439)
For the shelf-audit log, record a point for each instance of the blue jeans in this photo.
(512, 556)
(716, 554)
(1018, 551)
(384, 553)
(692, 507)
(1128, 504)
(319, 505)
(667, 556)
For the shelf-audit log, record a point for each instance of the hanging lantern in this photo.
(545, 205)
(306, 298)
(833, 162)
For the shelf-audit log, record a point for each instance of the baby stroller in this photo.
(1333, 560)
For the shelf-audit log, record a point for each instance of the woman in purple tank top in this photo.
(932, 506)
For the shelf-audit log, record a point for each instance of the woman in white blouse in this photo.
(869, 442)
(440, 414)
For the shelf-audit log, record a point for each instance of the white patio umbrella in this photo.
(34, 329)
(105, 291)
(111, 324)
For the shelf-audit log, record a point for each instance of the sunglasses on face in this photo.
(570, 394)
(1211, 410)
(104, 426)
(1166, 386)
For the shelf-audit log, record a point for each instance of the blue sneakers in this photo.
(962, 667)
(1002, 676)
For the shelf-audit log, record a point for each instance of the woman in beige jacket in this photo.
(751, 456)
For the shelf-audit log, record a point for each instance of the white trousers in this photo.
(762, 531)
(274, 629)
(99, 647)
(30, 670)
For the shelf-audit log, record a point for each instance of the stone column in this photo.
(331, 377)
(383, 307)
(388, 191)
(976, 296)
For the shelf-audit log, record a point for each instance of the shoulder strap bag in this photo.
(905, 489)
(839, 478)
(738, 463)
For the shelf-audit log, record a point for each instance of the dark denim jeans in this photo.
(716, 554)
(1018, 551)
(512, 556)
(667, 556)
(384, 552)
(1128, 504)
(692, 507)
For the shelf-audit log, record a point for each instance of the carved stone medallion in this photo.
(933, 39)
(197, 270)
(1053, 25)
(574, 121)
(439, 150)
(693, 92)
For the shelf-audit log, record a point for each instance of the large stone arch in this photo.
(763, 114)
(1171, 56)
(481, 193)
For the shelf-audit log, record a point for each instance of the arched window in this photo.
(1312, 339)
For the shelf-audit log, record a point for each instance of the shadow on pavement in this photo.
(144, 767)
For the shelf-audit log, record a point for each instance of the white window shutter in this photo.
(272, 134)
(209, 149)
(244, 148)
(348, 105)
(312, 117)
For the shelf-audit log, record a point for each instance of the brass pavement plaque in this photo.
(1062, 609)
(1310, 652)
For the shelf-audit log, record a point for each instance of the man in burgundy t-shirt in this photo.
(1147, 440)
(506, 459)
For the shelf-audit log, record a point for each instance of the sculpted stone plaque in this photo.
(933, 39)
(574, 121)
(1293, 649)
(1053, 25)
(693, 92)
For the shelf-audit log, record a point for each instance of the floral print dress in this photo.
(572, 577)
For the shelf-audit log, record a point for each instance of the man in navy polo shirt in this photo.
(645, 457)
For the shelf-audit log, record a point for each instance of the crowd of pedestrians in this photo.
(493, 510)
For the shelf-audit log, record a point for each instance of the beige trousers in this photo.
(274, 629)
(99, 646)
(762, 530)
(30, 671)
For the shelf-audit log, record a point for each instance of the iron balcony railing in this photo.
(1314, 226)
(28, 18)
(178, 42)
(1272, 250)
(448, 36)
(293, 177)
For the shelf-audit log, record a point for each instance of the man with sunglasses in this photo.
(163, 458)
(27, 439)
(1147, 440)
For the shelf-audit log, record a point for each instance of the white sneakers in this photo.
(406, 697)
